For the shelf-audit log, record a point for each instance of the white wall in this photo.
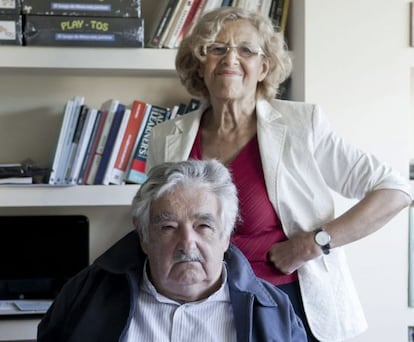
(357, 66)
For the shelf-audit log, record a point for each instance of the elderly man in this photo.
(176, 277)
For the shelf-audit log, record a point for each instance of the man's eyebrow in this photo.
(162, 217)
(205, 217)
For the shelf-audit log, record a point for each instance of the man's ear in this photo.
(144, 245)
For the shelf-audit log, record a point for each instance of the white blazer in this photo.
(303, 160)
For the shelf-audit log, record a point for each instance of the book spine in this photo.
(187, 23)
(109, 145)
(137, 174)
(83, 144)
(75, 143)
(61, 140)
(155, 41)
(127, 144)
(275, 14)
(265, 7)
(60, 173)
(117, 145)
(147, 112)
(171, 23)
(109, 108)
(89, 148)
(192, 105)
(212, 4)
(285, 12)
(182, 108)
(179, 23)
(95, 142)
(197, 14)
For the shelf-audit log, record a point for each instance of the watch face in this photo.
(322, 238)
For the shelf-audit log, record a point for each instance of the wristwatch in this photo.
(322, 239)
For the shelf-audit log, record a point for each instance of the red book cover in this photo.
(134, 123)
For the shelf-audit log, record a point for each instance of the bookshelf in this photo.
(65, 196)
(155, 62)
(61, 63)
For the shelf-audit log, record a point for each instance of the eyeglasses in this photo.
(220, 50)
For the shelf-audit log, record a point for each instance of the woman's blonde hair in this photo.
(189, 56)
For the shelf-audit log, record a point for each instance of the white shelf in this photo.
(57, 196)
(136, 60)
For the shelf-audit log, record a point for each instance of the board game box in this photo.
(107, 8)
(51, 30)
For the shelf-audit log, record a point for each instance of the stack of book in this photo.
(107, 145)
(175, 19)
(23, 173)
(104, 23)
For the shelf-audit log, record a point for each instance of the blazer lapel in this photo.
(178, 145)
(271, 137)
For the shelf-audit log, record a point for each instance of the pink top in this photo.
(260, 226)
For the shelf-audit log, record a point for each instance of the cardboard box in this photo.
(10, 7)
(83, 31)
(11, 29)
(91, 8)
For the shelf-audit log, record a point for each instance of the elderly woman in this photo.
(285, 160)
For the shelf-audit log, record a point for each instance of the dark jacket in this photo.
(98, 303)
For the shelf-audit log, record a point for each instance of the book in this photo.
(25, 172)
(62, 30)
(116, 147)
(174, 111)
(265, 7)
(187, 23)
(136, 173)
(75, 143)
(199, 10)
(165, 11)
(109, 145)
(193, 104)
(226, 3)
(83, 144)
(171, 23)
(78, 102)
(64, 127)
(109, 108)
(82, 8)
(210, 5)
(285, 13)
(136, 117)
(275, 14)
(178, 25)
(94, 147)
(147, 112)
(16, 180)
(177, 110)
(87, 159)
